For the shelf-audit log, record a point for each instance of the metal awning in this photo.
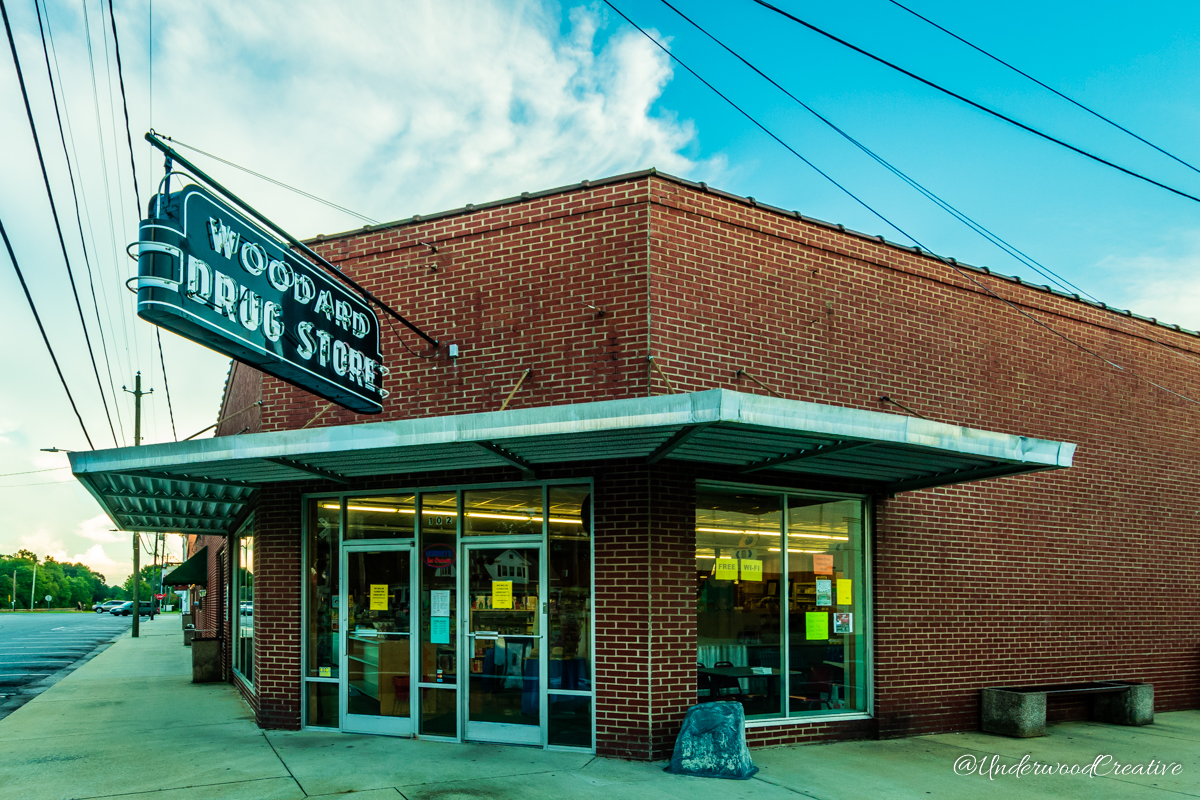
(203, 486)
(193, 571)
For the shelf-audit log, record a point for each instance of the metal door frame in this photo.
(465, 648)
(388, 726)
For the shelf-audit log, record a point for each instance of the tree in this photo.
(67, 584)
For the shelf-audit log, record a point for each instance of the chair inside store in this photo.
(817, 693)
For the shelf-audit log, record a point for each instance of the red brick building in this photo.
(693, 448)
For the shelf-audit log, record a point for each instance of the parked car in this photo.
(107, 605)
(126, 609)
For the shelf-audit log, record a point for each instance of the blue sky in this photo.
(1110, 234)
(393, 109)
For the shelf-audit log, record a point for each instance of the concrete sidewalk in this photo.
(129, 723)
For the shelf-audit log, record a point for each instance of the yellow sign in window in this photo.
(751, 569)
(379, 597)
(816, 625)
(726, 569)
(843, 592)
(502, 594)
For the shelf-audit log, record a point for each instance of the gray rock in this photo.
(712, 743)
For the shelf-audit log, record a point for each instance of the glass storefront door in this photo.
(504, 608)
(376, 599)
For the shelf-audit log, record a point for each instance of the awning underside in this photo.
(203, 486)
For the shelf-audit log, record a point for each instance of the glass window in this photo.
(322, 704)
(739, 630)
(439, 573)
(505, 511)
(570, 720)
(826, 603)
(569, 605)
(381, 517)
(243, 657)
(324, 656)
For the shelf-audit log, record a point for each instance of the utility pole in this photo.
(137, 582)
(138, 394)
(33, 585)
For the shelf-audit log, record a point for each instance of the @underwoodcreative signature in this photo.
(991, 767)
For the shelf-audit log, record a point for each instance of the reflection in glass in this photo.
(570, 720)
(826, 624)
(439, 572)
(381, 517)
(377, 643)
(738, 621)
(504, 511)
(569, 603)
(244, 586)
(322, 575)
(439, 711)
(505, 610)
(322, 704)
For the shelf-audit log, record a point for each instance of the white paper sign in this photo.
(439, 601)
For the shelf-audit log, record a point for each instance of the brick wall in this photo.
(277, 618)
(1082, 574)
(515, 287)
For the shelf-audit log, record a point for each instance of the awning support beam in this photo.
(187, 498)
(680, 438)
(311, 470)
(959, 476)
(163, 476)
(823, 450)
(527, 471)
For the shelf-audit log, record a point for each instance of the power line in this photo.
(1009, 249)
(272, 180)
(31, 471)
(78, 217)
(1024, 74)
(980, 106)
(45, 483)
(991, 237)
(166, 386)
(58, 226)
(29, 299)
(951, 265)
(126, 298)
(137, 202)
(88, 214)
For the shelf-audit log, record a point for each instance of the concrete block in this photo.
(188, 634)
(206, 660)
(712, 743)
(1007, 713)
(1132, 707)
(187, 620)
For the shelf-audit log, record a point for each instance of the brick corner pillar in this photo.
(645, 608)
(277, 613)
(672, 608)
(622, 655)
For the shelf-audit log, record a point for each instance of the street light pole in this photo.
(34, 585)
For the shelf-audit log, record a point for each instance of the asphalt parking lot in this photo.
(36, 650)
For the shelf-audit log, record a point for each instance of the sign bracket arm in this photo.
(155, 141)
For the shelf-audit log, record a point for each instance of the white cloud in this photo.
(1164, 283)
(387, 108)
(99, 529)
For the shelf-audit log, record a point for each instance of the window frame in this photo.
(866, 594)
(246, 531)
